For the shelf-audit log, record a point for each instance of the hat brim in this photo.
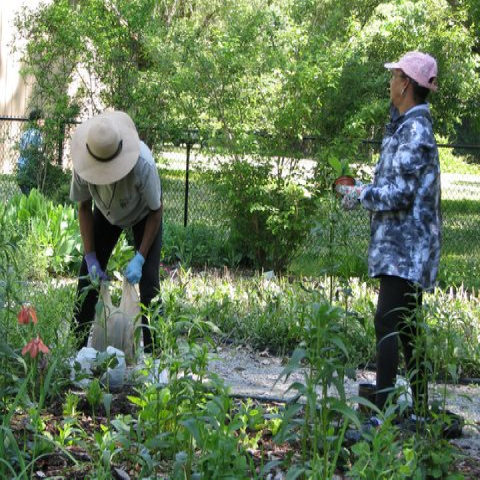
(103, 173)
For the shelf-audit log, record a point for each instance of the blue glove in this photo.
(134, 269)
(94, 269)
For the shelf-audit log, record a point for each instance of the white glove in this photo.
(350, 194)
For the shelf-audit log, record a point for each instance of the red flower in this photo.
(34, 346)
(26, 314)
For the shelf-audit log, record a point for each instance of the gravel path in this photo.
(254, 374)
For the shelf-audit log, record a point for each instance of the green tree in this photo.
(285, 67)
(360, 89)
(254, 77)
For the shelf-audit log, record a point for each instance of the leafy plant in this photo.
(94, 395)
(341, 167)
(197, 245)
(383, 456)
(325, 358)
(47, 230)
(70, 408)
(217, 432)
(268, 215)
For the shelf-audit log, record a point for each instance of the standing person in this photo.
(31, 148)
(404, 201)
(115, 171)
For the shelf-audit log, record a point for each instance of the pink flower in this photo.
(26, 314)
(34, 347)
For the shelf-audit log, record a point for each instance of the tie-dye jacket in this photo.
(404, 200)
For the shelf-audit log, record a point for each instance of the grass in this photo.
(339, 241)
(461, 162)
(461, 224)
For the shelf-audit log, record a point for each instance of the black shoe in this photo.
(366, 431)
(451, 424)
(448, 424)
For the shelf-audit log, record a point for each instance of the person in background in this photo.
(31, 148)
(404, 202)
(116, 184)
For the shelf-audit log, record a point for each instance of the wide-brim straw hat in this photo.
(105, 148)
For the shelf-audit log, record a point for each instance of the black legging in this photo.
(396, 316)
(106, 236)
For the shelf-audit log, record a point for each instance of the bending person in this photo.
(116, 184)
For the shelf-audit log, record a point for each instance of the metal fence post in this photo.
(60, 142)
(187, 173)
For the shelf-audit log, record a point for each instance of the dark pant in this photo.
(396, 318)
(106, 236)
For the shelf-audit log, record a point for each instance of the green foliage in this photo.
(386, 456)
(269, 215)
(216, 433)
(48, 236)
(457, 163)
(192, 426)
(47, 233)
(94, 395)
(39, 170)
(324, 357)
(11, 362)
(198, 245)
(28, 383)
(121, 255)
(56, 186)
(273, 314)
(383, 457)
(340, 167)
(396, 27)
(228, 69)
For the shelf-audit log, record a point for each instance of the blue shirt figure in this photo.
(31, 152)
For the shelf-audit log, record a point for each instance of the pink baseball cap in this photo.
(419, 66)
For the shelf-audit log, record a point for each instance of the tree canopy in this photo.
(286, 68)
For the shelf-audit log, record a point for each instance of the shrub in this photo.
(269, 214)
(57, 184)
(198, 245)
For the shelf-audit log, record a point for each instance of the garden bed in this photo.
(255, 374)
(217, 323)
(249, 374)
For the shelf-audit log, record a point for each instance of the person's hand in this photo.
(134, 269)
(350, 194)
(94, 269)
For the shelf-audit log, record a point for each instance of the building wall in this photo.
(14, 90)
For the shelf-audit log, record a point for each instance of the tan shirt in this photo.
(126, 202)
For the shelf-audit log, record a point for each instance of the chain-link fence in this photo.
(10, 132)
(187, 197)
(338, 234)
(342, 237)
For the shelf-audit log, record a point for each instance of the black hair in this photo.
(420, 93)
(35, 114)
